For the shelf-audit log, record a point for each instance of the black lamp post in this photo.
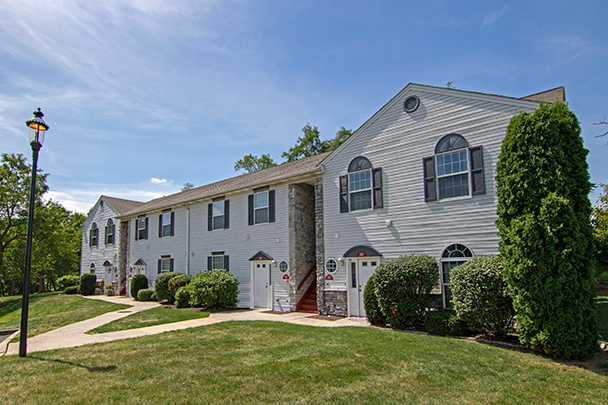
(37, 129)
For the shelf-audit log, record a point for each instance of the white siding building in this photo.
(417, 177)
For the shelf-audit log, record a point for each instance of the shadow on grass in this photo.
(99, 369)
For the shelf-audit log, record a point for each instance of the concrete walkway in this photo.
(75, 334)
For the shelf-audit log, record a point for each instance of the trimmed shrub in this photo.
(138, 282)
(403, 289)
(154, 297)
(182, 298)
(64, 282)
(71, 290)
(370, 302)
(214, 289)
(87, 283)
(179, 280)
(479, 295)
(545, 229)
(161, 285)
(145, 294)
(445, 323)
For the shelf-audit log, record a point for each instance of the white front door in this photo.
(261, 284)
(359, 271)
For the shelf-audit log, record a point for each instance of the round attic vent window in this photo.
(411, 104)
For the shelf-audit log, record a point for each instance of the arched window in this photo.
(93, 235)
(361, 188)
(455, 170)
(92, 268)
(454, 255)
(110, 231)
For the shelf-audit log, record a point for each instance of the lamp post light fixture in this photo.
(37, 129)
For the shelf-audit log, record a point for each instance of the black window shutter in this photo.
(344, 193)
(477, 176)
(377, 178)
(226, 214)
(430, 190)
(172, 223)
(250, 199)
(136, 229)
(271, 206)
(105, 237)
(226, 263)
(171, 265)
(160, 265)
(146, 229)
(210, 217)
(160, 226)
(90, 237)
(209, 262)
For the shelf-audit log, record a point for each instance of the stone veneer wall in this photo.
(123, 248)
(328, 302)
(301, 239)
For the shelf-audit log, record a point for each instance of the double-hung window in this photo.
(453, 173)
(218, 215)
(165, 264)
(93, 235)
(110, 230)
(361, 188)
(455, 170)
(141, 228)
(166, 224)
(261, 206)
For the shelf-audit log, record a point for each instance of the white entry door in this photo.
(360, 270)
(261, 284)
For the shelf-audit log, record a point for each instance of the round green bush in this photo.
(479, 295)
(445, 323)
(87, 283)
(161, 285)
(138, 282)
(403, 289)
(64, 282)
(182, 298)
(214, 289)
(145, 294)
(180, 280)
(71, 290)
(370, 302)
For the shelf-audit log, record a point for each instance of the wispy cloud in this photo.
(495, 16)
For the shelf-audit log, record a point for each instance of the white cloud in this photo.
(493, 17)
(155, 180)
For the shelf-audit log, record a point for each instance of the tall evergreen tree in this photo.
(546, 236)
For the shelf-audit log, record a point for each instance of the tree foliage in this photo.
(309, 144)
(187, 186)
(600, 230)
(251, 163)
(546, 237)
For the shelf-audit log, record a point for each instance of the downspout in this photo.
(187, 239)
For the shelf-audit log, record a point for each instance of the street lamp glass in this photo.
(37, 127)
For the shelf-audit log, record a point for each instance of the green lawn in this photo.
(154, 316)
(50, 311)
(267, 362)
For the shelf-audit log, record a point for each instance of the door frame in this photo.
(270, 293)
(361, 289)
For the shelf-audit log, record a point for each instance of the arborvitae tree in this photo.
(546, 236)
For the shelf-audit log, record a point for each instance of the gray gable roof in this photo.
(122, 206)
(273, 175)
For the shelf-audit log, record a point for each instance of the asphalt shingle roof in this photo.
(260, 178)
(121, 205)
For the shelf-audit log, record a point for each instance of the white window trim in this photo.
(220, 206)
(335, 269)
(213, 262)
(163, 260)
(443, 176)
(362, 190)
(141, 228)
(256, 208)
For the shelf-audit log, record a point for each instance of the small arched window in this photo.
(361, 188)
(455, 170)
(452, 256)
(92, 268)
(93, 235)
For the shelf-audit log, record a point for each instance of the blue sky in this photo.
(143, 96)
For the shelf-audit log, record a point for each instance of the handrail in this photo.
(313, 268)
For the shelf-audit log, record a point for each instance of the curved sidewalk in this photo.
(75, 334)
